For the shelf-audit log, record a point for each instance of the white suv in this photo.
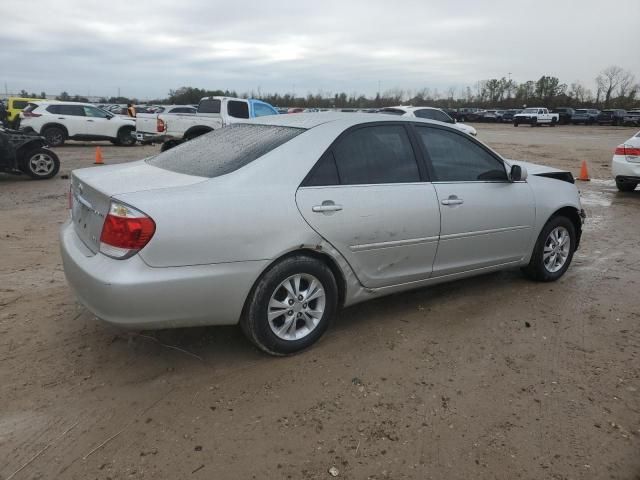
(59, 121)
(431, 113)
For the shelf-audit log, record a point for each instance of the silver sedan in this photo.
(278, 222)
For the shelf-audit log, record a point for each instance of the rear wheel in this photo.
(515, 124)
(553, 250)
(291, 306)
(41, 164)
(553, 122)
(626, 186)
(55, 136)
(534, 122)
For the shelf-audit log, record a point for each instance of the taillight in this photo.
(160, 125)
(627, 151)
(31, 115)
(70, 198)
(125, 231)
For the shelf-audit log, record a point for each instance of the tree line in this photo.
(615, 88)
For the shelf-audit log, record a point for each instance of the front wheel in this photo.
(291, 306)
(553, 250)
(626, 186)
(41, 164)
(125, 137)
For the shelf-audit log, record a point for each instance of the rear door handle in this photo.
(452, 200)
(327, 206)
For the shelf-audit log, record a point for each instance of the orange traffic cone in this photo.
(584, 172)
(98, 157)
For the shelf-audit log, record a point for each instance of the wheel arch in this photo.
(196, 131)
(56, 125)
(573, 214)
(316, 254)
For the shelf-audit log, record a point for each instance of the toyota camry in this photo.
(277, 223)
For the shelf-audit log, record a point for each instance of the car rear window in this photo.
(224, 150)
(209, 105)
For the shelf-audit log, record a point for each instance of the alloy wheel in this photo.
(556, 249)
(41, 164)
(296, 307)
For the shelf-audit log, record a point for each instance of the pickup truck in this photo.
(536, 116)
(213, 112)
(146, 123)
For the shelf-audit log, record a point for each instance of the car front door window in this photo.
(456, 158)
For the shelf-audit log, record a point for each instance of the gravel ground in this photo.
(495, 377)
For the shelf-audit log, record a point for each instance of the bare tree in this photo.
(610, 79)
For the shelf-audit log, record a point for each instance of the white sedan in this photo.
(430, 113)
(625, 164)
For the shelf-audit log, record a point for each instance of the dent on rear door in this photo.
(388, 233)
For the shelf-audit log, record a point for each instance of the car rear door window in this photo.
(238, 109)
(325, 172)
(224, 150)
(376, 154)
(73, 110)
(456, 158)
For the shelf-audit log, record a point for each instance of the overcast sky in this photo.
(146, 47)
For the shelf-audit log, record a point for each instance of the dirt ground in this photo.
(495, 377)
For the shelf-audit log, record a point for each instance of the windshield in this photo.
(224, 150)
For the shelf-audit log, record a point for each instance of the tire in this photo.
(515, 124)
(55, 136)
(534, 123)
(540, 270)
(269, 290)
(41, 164)
(125, 139)
(553, 122)
(626, 186)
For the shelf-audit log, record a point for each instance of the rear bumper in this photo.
(131, 294)
(621, 168)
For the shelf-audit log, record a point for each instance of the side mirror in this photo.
(518, 173)
(109, 117)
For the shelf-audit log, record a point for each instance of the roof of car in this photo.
(311, 120)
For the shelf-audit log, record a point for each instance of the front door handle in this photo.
(89, 120)
(452, 200)
(328, 206)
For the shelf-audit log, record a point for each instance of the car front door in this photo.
(98, 123)
(486, 220)
(369, 197)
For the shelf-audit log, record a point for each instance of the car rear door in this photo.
(369, 196)
(72, 117)
(486, 220)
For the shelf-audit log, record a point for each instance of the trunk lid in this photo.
(93, 188)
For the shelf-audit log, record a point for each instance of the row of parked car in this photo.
(566, 115)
